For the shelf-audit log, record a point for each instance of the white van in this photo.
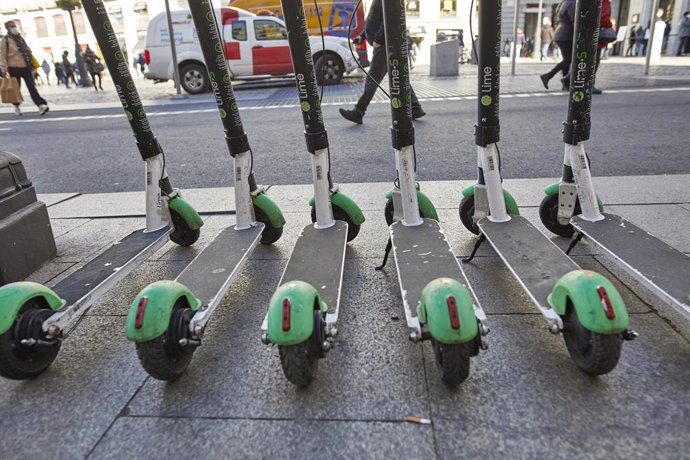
(254, 46)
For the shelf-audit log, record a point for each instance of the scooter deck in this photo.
(318, 258)
(533, 259)
(97, 276)
(212, 272)
(422, 254)
(652, 262)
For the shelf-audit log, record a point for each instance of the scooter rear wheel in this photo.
(593, 353)
(339, 214)
(453, 361)
(163, 357)
(22, 361)
(466, 211)
(301, 361)
(548, 213)
(182, 234)
(270, 234)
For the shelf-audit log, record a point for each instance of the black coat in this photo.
(566, 22)
(373, 28)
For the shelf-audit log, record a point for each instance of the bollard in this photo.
(26, 237)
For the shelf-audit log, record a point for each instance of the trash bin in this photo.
(26, 237)
(444, 59)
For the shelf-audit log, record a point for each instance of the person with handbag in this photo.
(16, 62)
(94, 67)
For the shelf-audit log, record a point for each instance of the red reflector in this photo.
(147, 57)
(141, 308)
(453, 312)
(286, 315)
(606, 302)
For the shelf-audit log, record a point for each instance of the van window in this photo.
(266, 29)
(239, 31)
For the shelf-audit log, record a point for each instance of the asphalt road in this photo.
(632, 134)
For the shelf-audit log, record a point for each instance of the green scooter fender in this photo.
(270, 209)
(442, 299)
(552, 189)
(291, 313)
(161, 297)
(345, 203)
(580, 287)
(511, 204)
(186, 211)
(14, 295)
(426, 207)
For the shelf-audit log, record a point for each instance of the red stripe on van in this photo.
(228, 15)
(232, 50)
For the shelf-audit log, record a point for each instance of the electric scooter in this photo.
(168, 318)
(438, 302)
(33, 317)
(571, 206)
(303, 312)
(582, 305)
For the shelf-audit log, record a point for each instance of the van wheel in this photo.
(194, 79)
(329, 69)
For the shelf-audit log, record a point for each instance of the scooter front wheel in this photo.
(165, 358)
(340, 214)
(593, 353)
(548, 213)
(453, 361)
(270, 234)
(24, 350)
(466, 210)
(182, 234)
(301, 361)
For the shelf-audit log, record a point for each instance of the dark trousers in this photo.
(377, 70)
(682, 46)
(93, 79)
(566, 56)
(26, 75)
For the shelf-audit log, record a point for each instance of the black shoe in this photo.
(355, 115)
(565, 83)
(545, 80)
(597, 91)
(417, 112)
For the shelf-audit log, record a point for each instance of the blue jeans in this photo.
(545, 49)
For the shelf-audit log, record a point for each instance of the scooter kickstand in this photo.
(389, 246)
(479, 242)
(576, 239)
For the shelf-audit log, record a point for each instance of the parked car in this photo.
(254, 46)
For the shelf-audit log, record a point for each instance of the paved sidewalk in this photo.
(615, 73)
(524, 397)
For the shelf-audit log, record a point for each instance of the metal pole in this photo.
(648, 57)
(83, 79)
(515, 28)
(176, 71)
(537, 35)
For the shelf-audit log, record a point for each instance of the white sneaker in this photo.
(18, 111)
(43, 109)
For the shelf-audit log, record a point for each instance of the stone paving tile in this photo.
(164, 438)
(64, 412)
(525, 399)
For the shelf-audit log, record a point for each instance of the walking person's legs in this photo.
(93, 80)
(563, 66)
(27, 76)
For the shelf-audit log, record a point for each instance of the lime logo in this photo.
(107, 26)
(209, 16)
(226, 78)
(406, 67)
(486, 100)
(306, 107)
(395, 102)
(233, 107)
(141, 113)
(223, 113)
(312, 74)
(578, 96)
(130, 85)
(118, 55)
(301, 11)
(129, 115)
(219, 47)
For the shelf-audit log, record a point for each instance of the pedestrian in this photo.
(410, 43)
(378, 68)
(639, 40)
(564, 39)
(60, 73)
(546, 38)
(135, 66)
(667, 34)
(94, 67)
(519, 43)
(604, 23)
(645, 39)
(461, 45)
(68, 68)
(142, 63)
(15, 61)
(684, 34)
(631, 41)
(46, 70)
